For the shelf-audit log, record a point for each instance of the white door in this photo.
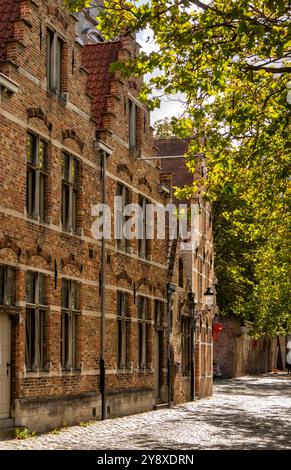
(5, 359)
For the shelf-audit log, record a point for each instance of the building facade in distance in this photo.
(196, 254)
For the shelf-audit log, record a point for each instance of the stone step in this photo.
(161, 406)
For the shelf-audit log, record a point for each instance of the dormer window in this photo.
(55, 47)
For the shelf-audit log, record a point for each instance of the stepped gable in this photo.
(96, 58)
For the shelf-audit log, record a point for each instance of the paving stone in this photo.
(246, 413)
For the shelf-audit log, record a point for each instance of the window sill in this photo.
(71, 233)
(144, 370)
(125, 251)
(62, 98)
(37, 221)
(124, 371)
(31, 374)
(9, 307)
(71, 371)
(143, 258)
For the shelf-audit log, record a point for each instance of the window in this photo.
(70, 192)
(7, 285)
(144, 243)
(204, 219)
(186, 344)
(55, 48)
(203, 349)
(181, 273)
(36, 182)
(159, 313)
(69, 323)
(144, 329)
(36, 311)
(132, 126)
(207, 270)
(123, 193)
(123, 320)
(200, 280)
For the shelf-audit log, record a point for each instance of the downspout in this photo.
(192, 304)
(192, 360)
(193, 368)
(169, 300)
(105, 151)
(102, 286)
(171, 288)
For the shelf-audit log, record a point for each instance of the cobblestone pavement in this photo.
(246, 413)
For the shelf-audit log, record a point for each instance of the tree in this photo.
(163, 128)
(231, 59)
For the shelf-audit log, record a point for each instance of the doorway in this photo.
(5, 365)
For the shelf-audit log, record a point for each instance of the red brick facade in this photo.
(88, 108)
(197, 257)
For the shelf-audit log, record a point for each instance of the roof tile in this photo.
(9, 12)
(96, 58)
(173, 146)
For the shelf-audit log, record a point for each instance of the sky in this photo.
(171, 106)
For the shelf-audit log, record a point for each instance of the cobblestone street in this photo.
(246, 413)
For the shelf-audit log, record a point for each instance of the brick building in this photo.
(87, 326)
(196, 253)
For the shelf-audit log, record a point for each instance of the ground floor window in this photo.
(186, 344)
(123, 320)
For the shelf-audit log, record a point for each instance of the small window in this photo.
(144, 242)
(70, 192)
(204, 219)
(203, 349)
(123, 320)
(69, 323)
(37, 174)
(54, 62)
(144, 332)
(7, 285)
(200, 280)
(121, 219)
(36, 314)
(186, 344)
(132, 125)
(159, 313)
(181, 273)
(207, 270)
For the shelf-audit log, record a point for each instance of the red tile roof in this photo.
(173, 146)
(96, 58)
(9, 12)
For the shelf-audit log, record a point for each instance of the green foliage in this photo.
(56, 431)
(231, 59)
(86, 424)
(24, 433)
(77, 5)
(164, 128)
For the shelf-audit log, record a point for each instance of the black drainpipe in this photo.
(171, 288)
(103, 297)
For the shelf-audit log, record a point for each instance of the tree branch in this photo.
(268, 69)
(202, 5)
